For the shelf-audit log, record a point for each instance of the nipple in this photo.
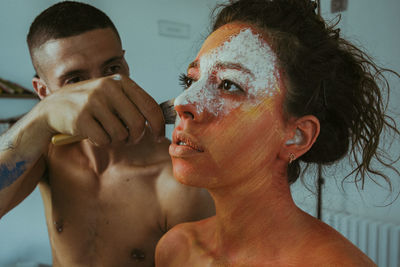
(138, 255)
(59, 226)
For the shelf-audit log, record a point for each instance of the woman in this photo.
(271, 86)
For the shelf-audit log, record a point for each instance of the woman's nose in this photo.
(189, 112)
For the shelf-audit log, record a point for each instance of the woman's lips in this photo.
(184, 145)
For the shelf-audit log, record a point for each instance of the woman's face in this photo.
(231, 122)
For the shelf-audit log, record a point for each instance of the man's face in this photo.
(89, 55)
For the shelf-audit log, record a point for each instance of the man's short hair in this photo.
(66, 19)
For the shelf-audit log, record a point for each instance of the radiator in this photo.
(379, 240)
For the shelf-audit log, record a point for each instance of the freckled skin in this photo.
(243, 165)
(245, 60)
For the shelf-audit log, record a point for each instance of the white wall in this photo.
(374, 25)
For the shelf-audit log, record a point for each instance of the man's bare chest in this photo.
(113, 213)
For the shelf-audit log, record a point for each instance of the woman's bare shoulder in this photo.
(176, 245)
(327, 247)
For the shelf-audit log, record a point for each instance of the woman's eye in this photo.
(230, 86)
(185, 81)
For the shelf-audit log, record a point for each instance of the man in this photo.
(108, 199)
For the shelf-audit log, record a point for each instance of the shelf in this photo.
(10, 89)
(22, 96)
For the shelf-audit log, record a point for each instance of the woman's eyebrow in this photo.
(225, 65)
(236, 66)
(194, 64)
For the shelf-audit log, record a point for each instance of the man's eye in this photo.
(185, 81)
(230, 86)
(112, 70)
(73, 80)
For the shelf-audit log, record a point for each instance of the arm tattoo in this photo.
(8, 174)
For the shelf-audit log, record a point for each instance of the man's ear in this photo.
(125, 63)
(301, 135)
(40, 87)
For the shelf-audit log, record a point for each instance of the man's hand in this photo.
(104, 110)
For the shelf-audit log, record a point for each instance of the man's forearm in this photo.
(12, 163)
(20, 149)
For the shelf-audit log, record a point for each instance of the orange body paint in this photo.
(231, 139)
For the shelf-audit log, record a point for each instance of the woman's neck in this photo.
(255, 216)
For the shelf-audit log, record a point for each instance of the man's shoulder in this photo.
(180, 196)
(182, 203)
(168, 186)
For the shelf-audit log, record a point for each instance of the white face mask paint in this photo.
(250, 51)
(297, 139)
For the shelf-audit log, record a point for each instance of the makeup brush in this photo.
(167, 108)
(168, 111)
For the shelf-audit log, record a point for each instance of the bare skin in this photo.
(241, 155)
(109, 198)
(113, 212)
(311, 243)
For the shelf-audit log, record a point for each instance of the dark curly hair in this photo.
(327, 77)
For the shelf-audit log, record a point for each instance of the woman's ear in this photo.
(300, 137)
(40, 87)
